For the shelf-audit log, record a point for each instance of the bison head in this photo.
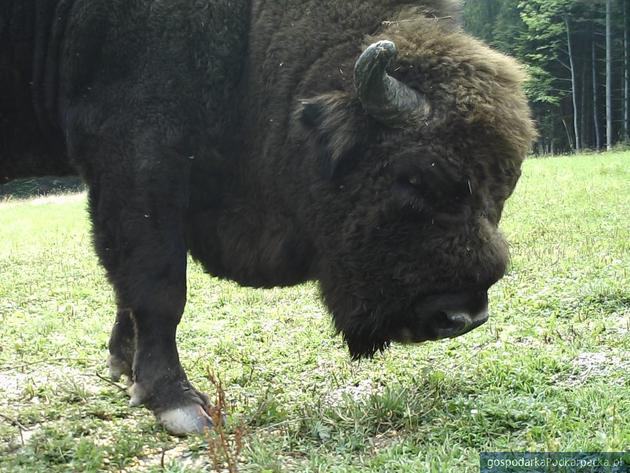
(414, 165)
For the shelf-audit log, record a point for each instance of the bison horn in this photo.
(384, 98)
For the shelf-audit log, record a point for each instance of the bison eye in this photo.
(412, 182)
(408, 192)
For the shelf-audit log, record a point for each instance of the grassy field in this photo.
(549, 371)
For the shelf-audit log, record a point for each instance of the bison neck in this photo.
(247, 235)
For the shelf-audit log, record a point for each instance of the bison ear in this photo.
(334, 131)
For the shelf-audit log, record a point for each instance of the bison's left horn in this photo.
(386, 99)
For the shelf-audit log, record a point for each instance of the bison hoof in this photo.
(178, 406)
(185, 420)
(118, 367)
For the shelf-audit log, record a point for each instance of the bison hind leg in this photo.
(122, 347)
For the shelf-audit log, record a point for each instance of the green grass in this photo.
(549, 371)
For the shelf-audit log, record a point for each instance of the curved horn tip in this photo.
(385, 98)
(386, 46)
(377, 56)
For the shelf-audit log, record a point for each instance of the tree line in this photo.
(576, 53)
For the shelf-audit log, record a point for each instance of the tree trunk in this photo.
(609, 121)
(569, 139)
(583, 134)
(574, 90)
(598, 137)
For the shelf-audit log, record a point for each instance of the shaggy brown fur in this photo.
(232, 130)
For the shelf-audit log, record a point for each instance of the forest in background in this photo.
(576, 53)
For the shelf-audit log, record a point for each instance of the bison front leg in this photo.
(137, 203)
(159, 381)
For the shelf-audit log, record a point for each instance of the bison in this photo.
(369, 145)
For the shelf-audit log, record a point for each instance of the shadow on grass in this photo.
(36, 187)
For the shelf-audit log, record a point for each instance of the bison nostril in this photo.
(441, 321)
(459, 319)
(449, 323)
